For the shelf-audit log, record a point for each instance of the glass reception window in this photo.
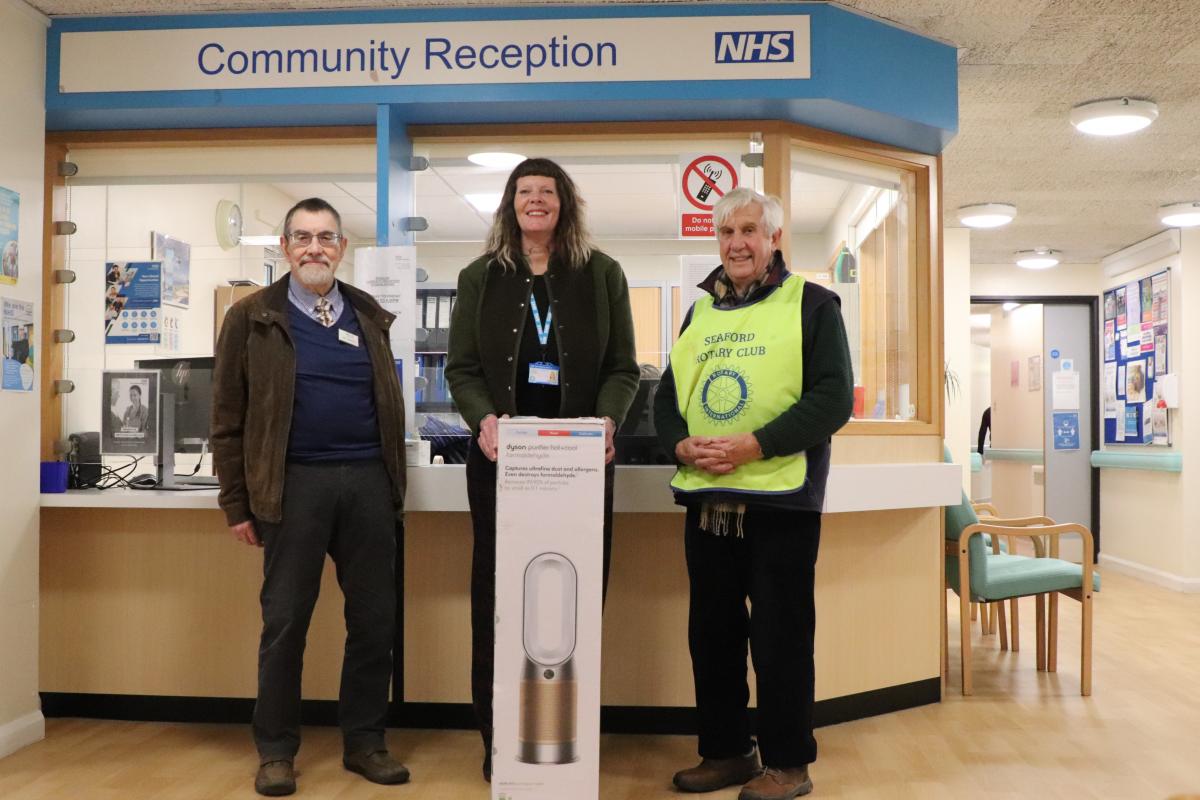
(168, 238)
(634, 207)
(852, 230)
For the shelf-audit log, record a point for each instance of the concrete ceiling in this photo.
(1022, 65)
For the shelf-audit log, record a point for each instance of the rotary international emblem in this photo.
(724, 394)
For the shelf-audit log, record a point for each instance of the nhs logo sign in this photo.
(754, 47)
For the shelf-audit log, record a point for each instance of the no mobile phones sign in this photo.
(704, 179)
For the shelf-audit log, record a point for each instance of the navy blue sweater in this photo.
(333, 416)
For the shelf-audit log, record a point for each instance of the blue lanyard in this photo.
(543, 331)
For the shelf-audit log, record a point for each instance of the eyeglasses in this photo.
(304, 238)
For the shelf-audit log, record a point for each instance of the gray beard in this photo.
(315, 277)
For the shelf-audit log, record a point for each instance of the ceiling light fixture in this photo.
(1038, 258)
(987, 215)
(485, 202)
(1180, 215)
(496, 160)
(1010, 306)
(1114, 117)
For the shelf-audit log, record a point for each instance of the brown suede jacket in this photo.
(253, 391)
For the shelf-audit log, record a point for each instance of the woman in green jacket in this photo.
(542, 327)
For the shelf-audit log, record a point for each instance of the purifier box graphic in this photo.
(549, 694)
(549, 596)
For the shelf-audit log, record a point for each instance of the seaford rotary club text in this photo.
(730, 344)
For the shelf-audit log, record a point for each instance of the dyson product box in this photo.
(549, 582)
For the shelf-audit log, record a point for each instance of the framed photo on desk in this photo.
(129, 419)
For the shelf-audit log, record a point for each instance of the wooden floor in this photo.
(1023, 735)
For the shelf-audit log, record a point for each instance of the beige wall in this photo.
(22, 93)
(1000, 280)
(956, 341)
(1016, 410)
(981, 399)
(1185, 318)
(1168, 551)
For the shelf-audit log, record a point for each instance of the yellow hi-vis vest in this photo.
(735, 370)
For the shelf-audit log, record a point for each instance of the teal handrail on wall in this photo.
(1115, 459)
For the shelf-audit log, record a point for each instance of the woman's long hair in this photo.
(571, 241)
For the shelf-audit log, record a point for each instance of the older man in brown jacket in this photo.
(308, 443)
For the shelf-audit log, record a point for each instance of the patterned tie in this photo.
(324, 312)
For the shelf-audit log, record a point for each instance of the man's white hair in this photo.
(737, 199)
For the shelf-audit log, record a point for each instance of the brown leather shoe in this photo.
(717, 773)
(777, 784)
(275, 778)
(377, 766)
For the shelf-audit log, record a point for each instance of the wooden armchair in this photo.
(993, 576)
(991, 613)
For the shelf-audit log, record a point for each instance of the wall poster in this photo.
(1135, 333)
(10, 208)
(16, 318)
(133, 302)
(176, 258)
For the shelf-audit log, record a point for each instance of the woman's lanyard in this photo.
(543, 331)
(542, 372)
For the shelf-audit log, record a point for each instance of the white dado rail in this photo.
(852, 487)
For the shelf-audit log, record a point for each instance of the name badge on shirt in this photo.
(347, 337)
(543, 373)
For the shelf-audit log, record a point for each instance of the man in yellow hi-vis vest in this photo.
(759, 381)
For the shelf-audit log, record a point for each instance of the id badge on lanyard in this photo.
(542, 372)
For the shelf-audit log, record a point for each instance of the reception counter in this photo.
(150, 609)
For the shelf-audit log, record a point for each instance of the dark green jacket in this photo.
(593, 325)
(254, 382)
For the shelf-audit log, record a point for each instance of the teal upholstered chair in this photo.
(988, 619)
(976, 572)
(989, 614)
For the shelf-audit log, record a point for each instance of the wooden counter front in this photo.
(144, 601)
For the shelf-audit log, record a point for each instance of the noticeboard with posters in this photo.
(1135, 332)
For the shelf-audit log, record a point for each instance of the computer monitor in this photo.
(189, 380)
(639, 420)
(636, 441)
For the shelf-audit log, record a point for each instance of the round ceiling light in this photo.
(1180, 215)
(1039, 258)
(986, 215)
(496, 160)
(1115, 117)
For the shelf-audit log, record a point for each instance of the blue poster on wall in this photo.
(133, 302)
(10, 212)
(1066, 430)
(16, 324)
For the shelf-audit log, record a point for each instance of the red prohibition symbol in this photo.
(709, 175)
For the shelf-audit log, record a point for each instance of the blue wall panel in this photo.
(869, 79)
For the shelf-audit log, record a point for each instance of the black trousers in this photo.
(772, 565)
(481, 495)
(343, 509)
